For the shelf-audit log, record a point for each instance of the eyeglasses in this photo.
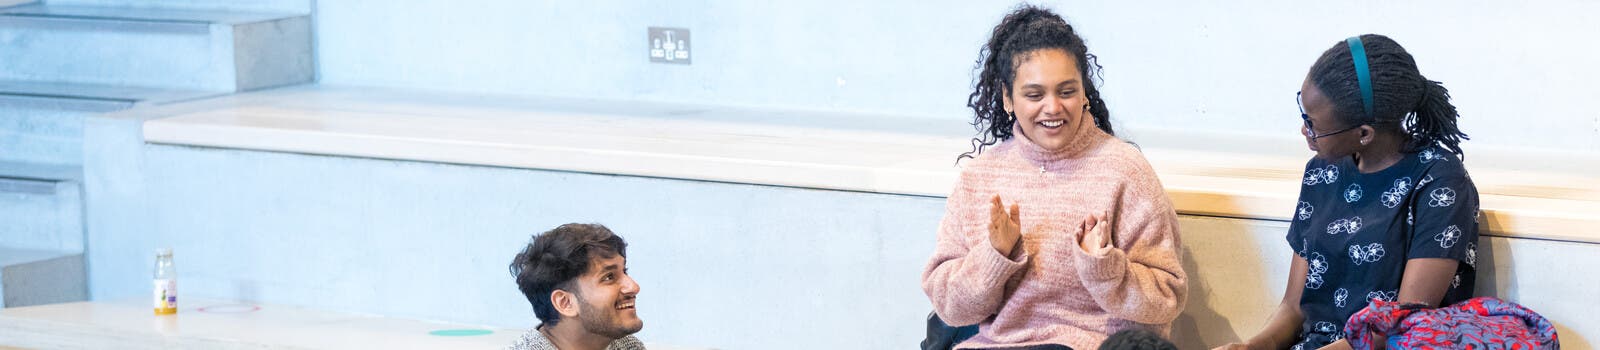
(1310, 130)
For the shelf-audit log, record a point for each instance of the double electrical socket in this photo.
(669, 45)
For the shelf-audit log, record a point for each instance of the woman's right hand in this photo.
(1005, 228)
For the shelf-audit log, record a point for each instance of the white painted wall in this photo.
(1520, 72)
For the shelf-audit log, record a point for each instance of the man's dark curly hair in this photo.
(554, 259)
(1137, 339)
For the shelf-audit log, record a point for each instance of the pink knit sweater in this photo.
(1055, 292)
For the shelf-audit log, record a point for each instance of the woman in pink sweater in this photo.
(1062, 236)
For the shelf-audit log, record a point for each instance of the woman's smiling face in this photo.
(1047, 97)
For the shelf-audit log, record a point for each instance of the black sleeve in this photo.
(1445, 216)
(1304, 212)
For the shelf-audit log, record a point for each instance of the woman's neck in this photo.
(1081, 136)
(1382, 153)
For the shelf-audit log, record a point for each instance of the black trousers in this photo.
(942, 336)
(1044, 347)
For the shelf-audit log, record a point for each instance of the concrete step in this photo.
(42, 238)
(43, 122)
(37, 277)
(152, 47)
(41, 206)
(294, 6)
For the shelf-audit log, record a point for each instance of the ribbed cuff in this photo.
(995, 267)
(1110, 264)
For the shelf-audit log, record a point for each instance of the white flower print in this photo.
(1425, 180)
(1298, 347)
(1340, 296)
(1442, 197)
(1381, 295)
(1472, 254)
(1391, 198)
(1316, 265)
(1326, 327)
(1456, 282)
(1324, 175)
(1313, 176)
(1366, 254)
(1449, 237)
(1396, 194)
(1428, 155)
(1352, 194)
(1304, 211)
(1350, 225)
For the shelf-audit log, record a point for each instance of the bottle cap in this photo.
(163, 251)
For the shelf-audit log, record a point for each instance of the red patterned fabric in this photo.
(1478, 323)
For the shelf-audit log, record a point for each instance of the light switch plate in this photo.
(669, 45)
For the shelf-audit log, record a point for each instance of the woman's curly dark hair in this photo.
(1027, 29)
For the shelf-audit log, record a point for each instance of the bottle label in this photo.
(166, 296)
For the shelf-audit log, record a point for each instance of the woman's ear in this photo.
(1005, 100)
(1367, 134)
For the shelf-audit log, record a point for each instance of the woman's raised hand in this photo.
(1005, 228)
(1094, 236)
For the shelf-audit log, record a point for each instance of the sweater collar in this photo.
(1085, 135)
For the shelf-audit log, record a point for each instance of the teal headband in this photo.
(1358, 53)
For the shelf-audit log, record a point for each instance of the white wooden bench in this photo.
(219, 324)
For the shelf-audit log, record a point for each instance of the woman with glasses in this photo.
(1386, 210)
(1058, 234)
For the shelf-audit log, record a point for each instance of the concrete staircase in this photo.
(161, 48)
(41, 242)
(65, 61)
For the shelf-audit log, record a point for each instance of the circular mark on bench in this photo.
(229, 309)
(460, 332)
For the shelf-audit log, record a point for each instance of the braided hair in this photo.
(1025, 30)
(1403, 100)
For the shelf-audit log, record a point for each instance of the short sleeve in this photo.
(1297, 224)
(1444, 218)
(1317, 175)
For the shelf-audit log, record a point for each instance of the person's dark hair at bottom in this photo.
(1137, 339)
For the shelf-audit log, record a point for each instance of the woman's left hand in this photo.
(1094, 236)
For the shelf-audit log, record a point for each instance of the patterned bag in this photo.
(1478, 323)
